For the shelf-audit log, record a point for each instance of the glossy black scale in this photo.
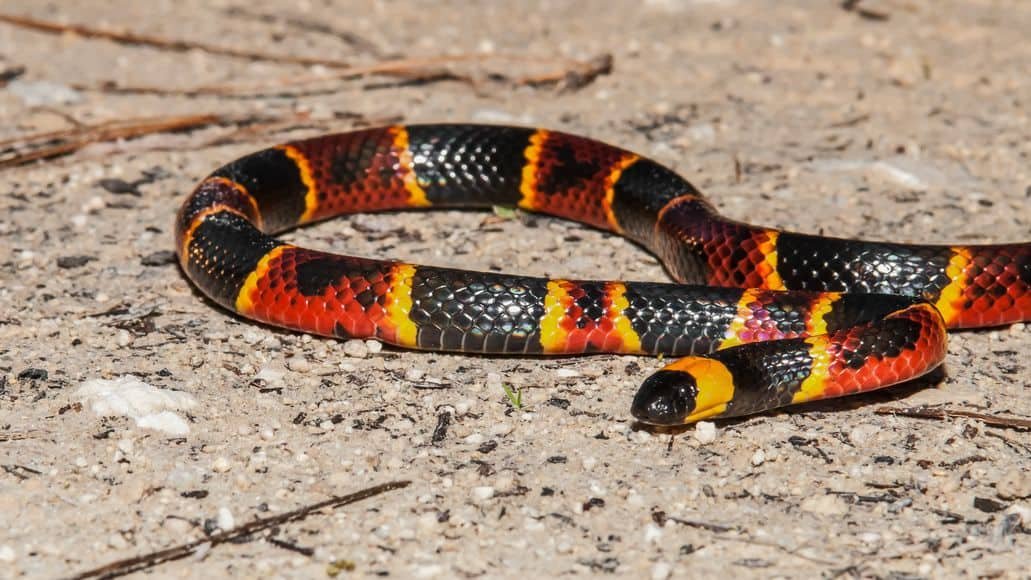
(807, 262)
(224, 250)
(274, 181)
(477, 311)
(642, 190)
(680, 320)
(882, 339)
(469, 165)
(766, 374)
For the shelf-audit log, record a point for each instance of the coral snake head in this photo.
(689, 390)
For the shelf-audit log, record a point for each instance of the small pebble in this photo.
(221, 465)
(567, 373)
(374, 346)
(661, 571)
(482, 493)
(117, 542)
(641, 436)
(413, 374)
(758, 458)
(177, 526)
(1014, 484)
(298, 364)
(652, 533)
(828, 505)
(124, 338)
(269, 375)
(7, 554)
(501, 429)
(705, 432)
(225, 519)
(356, 348)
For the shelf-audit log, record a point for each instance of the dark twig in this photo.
(21, 150)
(853, 6)
(132, 38)
(941, 414)
(146, 561)
(27, 148)
(569, 75)
(572, 75)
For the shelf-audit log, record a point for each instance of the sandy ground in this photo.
(895, 120)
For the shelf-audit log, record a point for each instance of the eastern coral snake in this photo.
(772, 318)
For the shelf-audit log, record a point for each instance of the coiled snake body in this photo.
(771, 318)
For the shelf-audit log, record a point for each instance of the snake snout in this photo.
(665, 398)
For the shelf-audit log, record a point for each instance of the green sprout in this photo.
(505, 212)
(515, 396)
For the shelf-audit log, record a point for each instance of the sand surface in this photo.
(895, 119)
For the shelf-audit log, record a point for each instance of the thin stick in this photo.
(572, 74)
(132, 38)
(57, 143)
(575, 73)
(146, 561)
(932, 413)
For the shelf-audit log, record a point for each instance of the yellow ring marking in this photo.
(715, 385)
(528, 185)
(556, 303)
(399, 304)
(243, 191)
(416, 194)
(627, 160)
(617, 309)
(245, 298)
(768, 267)
(814, 386)
(744, 312)
(818, 310)
(675, 202)
(950, 301)
(198, 220)
(311, 191)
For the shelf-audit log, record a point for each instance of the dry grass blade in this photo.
(21, 150)
(568, 74)
(132, 38)
(146, 561)
(942, 414)
(572, 73)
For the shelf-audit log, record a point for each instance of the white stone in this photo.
(482, 493)
(356, 348)
(705, 432)
(661, 570)
(298, 364)
(759, 457)
(221, 465)
(225, 519)
(149, 406)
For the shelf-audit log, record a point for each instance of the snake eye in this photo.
(665, 398)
